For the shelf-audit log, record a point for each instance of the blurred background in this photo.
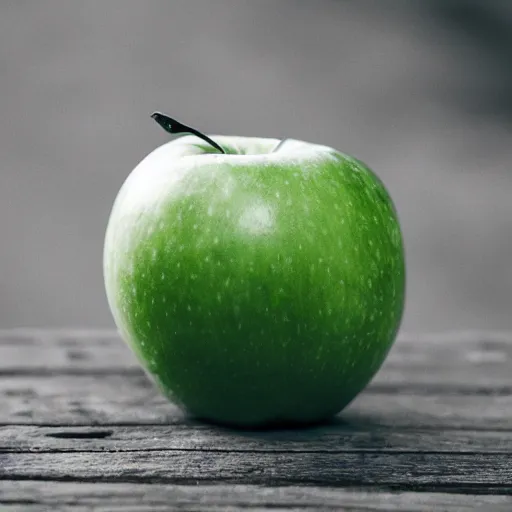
(420, 90)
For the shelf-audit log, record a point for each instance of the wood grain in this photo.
(102, 497)
(335, 438)
(456, 472)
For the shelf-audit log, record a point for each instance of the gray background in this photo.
(419, 90)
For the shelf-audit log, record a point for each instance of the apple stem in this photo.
(170, 125)
(279, 145)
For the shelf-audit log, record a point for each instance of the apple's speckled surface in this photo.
(256, 286)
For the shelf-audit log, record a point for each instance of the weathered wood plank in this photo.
(479, 473)
(131, 497)
(68, 352)
(334, 438)
(83, 399)
(426, 363)
(161, 496)
(131, 399)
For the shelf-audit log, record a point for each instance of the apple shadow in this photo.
(349, 429)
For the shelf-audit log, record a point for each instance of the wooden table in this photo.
(83, 429)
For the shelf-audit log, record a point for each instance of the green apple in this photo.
(258, 281)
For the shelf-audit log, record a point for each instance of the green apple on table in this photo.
(259, 281)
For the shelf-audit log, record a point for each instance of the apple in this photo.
(258, 281)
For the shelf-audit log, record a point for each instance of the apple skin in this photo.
(256, 287)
